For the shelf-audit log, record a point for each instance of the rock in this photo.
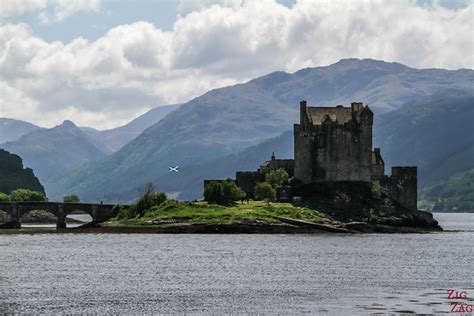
(13, 224)
(313, 226)
(358, 226)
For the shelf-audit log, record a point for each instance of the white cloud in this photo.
(133, 67)
(48, 10)
(65, 8)
(12, 8)
(187, 6)
(13, 101)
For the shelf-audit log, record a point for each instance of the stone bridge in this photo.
(98, 212)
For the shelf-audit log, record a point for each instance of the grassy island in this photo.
(173, 212)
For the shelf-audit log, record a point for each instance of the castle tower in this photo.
(334, 143)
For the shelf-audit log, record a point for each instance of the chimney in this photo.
(302, 111)
(357, 106)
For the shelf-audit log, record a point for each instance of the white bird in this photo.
(173, 169)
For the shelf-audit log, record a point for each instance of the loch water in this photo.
(316, 274)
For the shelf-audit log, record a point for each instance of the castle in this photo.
(333, 145)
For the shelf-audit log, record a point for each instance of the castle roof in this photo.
(318, 115)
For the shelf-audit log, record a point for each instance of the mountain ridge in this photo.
(112, 140)
(55, 150)
(12, 129)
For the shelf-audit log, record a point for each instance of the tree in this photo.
(148, 201)
(276, 178)
(232, 192)
(214, 192)
(223, 192)
(4, 197)
(264, 191)
(147, 189)
(71, 199)
(25, 195)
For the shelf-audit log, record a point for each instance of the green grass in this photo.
(204, 213)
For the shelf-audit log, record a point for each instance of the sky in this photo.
(101, 63)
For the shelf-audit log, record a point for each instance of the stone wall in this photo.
(246, 180)
(405, 186)
(378, 165)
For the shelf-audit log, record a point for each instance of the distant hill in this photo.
(13, 176)
(453, 194)
(435, 134)
(226, 121)
(188, 183)
(56, 150)
(113, 139)
(11, 130)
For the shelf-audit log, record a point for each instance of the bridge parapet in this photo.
(98, 212)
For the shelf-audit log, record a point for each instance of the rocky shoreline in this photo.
(287, 226)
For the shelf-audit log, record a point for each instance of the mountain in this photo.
(227, 120)
(435, 134)
(55, 150)
(113, 139)
(384, 86)
(11, 130)
(188, 183)
(13, 176)
(454, 194)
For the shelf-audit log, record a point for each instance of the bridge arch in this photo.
(98, 212)
(24, 209)
(4, 216)
(38, 216)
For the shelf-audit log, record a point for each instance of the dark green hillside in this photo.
(13, 176)
(454, 194)
(188, 184)
(437, 135)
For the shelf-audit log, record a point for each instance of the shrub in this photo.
(24, 195)
(223, 192)
(276, 178)
(294, 182)
(232, 192)
(127, 213)
(148, 201)
(168, 206)
(4, 197)
(71, 199)
(264, 191)
(376, 190)
(116, 210)
(214, 192)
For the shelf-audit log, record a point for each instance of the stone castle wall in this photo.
(402, 186)
(246, 180)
